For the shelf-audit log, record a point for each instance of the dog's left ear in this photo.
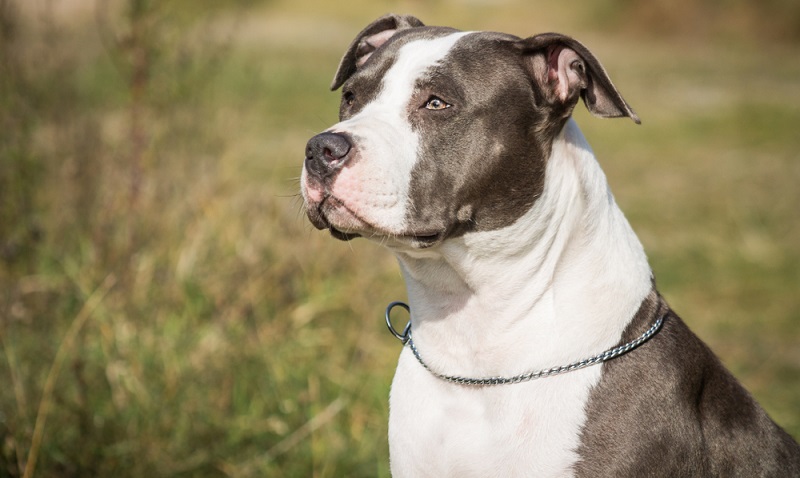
(565, 69)
(372, 37)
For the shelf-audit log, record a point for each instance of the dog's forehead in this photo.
(407, 56)
(412, 53)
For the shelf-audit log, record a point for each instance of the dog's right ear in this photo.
(567, 70)
(370, 39)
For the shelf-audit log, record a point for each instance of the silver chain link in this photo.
(609, 354)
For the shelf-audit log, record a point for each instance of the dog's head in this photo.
(444, 132)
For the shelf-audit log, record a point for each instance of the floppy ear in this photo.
(370, 39)
(565, 69)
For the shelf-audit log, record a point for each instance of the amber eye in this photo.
(436, 103)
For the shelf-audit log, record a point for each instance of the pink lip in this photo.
(314, 195)
(340, 216)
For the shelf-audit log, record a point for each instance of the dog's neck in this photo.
(559, 284)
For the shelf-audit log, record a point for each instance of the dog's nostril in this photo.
(326, 151)
(328, 146)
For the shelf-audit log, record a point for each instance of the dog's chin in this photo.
(345, 225)
(348, 232)
(321, 221)
(342, 223)
(343, 236)
(415, 241)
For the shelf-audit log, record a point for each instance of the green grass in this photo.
(234, 339)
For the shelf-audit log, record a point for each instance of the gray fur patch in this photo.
(671, 409)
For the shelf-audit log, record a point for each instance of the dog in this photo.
(538, 343)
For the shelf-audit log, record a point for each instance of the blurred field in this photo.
(166, 309)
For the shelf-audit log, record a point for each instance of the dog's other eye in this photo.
(349, 98)
(435, 103)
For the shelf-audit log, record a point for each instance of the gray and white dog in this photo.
(457, 151)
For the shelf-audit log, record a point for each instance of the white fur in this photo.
(558, 285)
(376, 190)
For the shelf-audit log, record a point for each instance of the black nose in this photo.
(326, 153)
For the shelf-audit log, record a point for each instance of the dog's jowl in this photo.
(539, 345)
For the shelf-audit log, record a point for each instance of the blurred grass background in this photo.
(166, 309)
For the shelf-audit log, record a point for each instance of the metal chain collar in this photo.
(609, 354)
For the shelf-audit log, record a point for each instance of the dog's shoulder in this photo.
(670, 408)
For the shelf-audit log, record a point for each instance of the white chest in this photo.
(438, 429)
